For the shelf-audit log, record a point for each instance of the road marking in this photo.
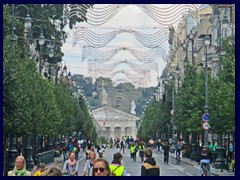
(175, 166)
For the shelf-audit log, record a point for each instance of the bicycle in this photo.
(178, 158)
(205, 170)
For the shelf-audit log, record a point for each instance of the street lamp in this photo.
(27, 25)
(207, 43)
(51, 51)
(59, 65)
(190, 37)
(184, 46)
(27, 21)
(221, 23)
(41, 42)
(13, 153)
(172, 76)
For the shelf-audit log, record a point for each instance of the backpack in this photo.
(204, 152)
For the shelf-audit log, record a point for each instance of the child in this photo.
(41, 170)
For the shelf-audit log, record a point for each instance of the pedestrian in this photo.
(89, 148)
(133, 151)
(232, 164)
(41, 170)
(116, 167)
(213, 147)
(150, 167)
(205, 159)
(128, 141)
(118, 143)
(166, 149)
(158, 144)
(101, 167)
(122, 145)
(65, 151)
(88, 168)
(111, 142)
(19, 168)
(141, 149)
(71, 165)
(77, 150)
(230, 151)
(53, 171)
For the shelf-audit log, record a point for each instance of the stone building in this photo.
(115, 123)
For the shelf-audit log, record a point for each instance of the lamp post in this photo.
(27, 24)
(207, 43)
(12, 152)
(59, 65)
(184, 46)
(172, 76)
(190, 37)
(222, 24)
(41, 42)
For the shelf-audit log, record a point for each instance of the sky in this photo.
(129, 17)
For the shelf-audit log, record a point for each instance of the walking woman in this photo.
(87, 171)
(71, 165)
(19, 168)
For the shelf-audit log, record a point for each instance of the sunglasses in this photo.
(101, 169)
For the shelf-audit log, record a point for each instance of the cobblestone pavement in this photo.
(134, 168)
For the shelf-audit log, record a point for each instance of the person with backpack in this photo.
(116, 168)
(141, 149)
(122, 145)
(178, 152)
(150, 167)
(205, 159)
(71, 165)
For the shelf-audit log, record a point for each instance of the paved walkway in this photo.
(133, 168)
(215, 172)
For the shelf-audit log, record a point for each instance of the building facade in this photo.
(115, 123)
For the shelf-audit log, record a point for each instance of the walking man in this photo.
(122, 145)
(166, 149)
(150, 167)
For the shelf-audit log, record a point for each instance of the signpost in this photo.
(205, 117)
(205, 126)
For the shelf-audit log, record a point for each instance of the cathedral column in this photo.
(122, 131)
(112, 132)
